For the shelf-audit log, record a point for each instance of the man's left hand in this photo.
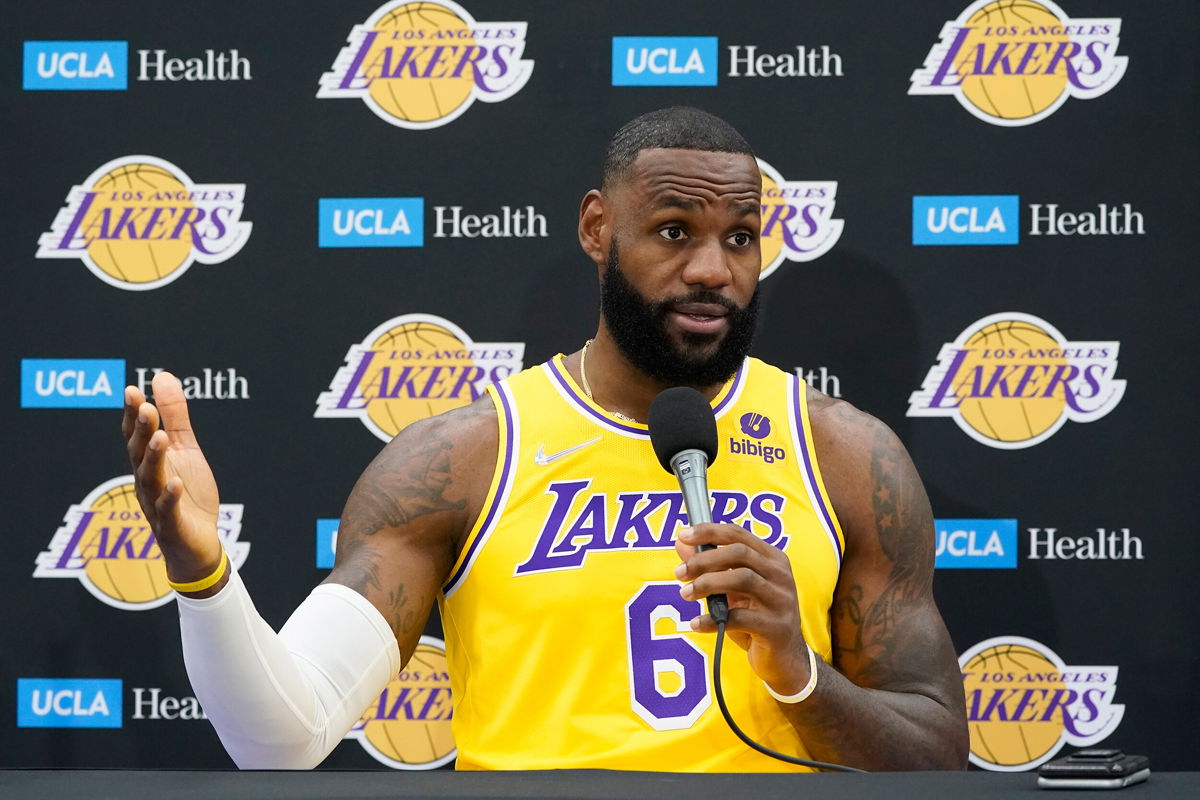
(764, 612)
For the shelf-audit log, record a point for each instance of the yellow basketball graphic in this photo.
(122, 559)
(415, 359)
(138, 186)
(422, 90)
(1004, 346)
(771, 200)
(409, 726)
(1004, 667)
(1012, 96)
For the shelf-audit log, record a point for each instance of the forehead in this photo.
(659, 174)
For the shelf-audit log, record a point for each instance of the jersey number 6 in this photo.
(668, 674)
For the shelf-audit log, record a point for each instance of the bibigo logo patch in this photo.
(408, 727)
(138, 223)
(422, 64)
(412, 367)
(107, 545)
(1024, 703)
(797, 219)
(1011, 380)
(1015, 62)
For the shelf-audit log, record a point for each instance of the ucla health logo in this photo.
(106, 544)
(68, 703)
(408, 726)
(664, 61)
(1014, 63)
(138, 223)
(797, 219)
(422, 64)
(1011, 380)
(976, 543)
(327, 531)
(72, 382)
(371, 222)
(966, 219)
(1024, 703)
(412, 367)
(75, 66)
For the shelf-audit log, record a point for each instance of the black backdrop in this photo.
(874, 311)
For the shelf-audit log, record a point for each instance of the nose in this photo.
(708, 267)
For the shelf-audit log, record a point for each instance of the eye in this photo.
(672, 232)
(741, 239)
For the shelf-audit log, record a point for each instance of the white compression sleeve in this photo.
(284, 701)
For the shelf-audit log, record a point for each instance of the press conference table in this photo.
(330, 784)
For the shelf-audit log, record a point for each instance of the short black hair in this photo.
(676, 127)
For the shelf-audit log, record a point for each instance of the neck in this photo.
(617, 385)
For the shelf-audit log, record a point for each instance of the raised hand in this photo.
(174, 484)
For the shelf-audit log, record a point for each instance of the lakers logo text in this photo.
(1015, 62)
(422, 64)
(139, 222)
(1024, 703)
(1011, 380)
(412, 367)
(580, 523)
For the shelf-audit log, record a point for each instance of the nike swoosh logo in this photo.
(541, 459)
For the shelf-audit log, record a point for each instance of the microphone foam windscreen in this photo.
(681, 419)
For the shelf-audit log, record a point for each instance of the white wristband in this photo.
(803, 694)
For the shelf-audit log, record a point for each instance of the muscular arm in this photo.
(895, 699)
(409, 512)
(285, 700)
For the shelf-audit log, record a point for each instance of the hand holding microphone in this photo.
(683, 432)
(754, 575)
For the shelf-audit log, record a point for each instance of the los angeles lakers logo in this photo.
(1015, 62)
(138, 223)
(412, 367)
(106, 544)
(422, 64)
(1024, 703)
(797, 219)
(1012, 380)
(408, 727)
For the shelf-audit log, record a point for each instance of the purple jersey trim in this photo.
(499, 498)
(814, 487)
(567, 387)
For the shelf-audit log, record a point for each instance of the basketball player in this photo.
(557, 548)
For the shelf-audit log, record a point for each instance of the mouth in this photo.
(701, 318)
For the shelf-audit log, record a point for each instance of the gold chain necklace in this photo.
(588, 389)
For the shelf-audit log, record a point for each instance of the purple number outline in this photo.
(650, 654)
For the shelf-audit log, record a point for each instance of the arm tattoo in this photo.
(401, 486)
(899, 513)
(361, 573)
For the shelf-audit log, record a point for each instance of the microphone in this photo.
(683, 432)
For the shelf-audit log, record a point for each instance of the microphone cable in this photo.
(716, 674)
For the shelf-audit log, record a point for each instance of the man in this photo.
(569, 582)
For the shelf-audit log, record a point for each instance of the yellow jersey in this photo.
(567, 640)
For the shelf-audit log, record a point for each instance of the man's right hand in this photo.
(174, 484)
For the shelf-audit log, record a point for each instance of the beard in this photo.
(638, 325)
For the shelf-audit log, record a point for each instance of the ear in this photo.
(595, 231)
